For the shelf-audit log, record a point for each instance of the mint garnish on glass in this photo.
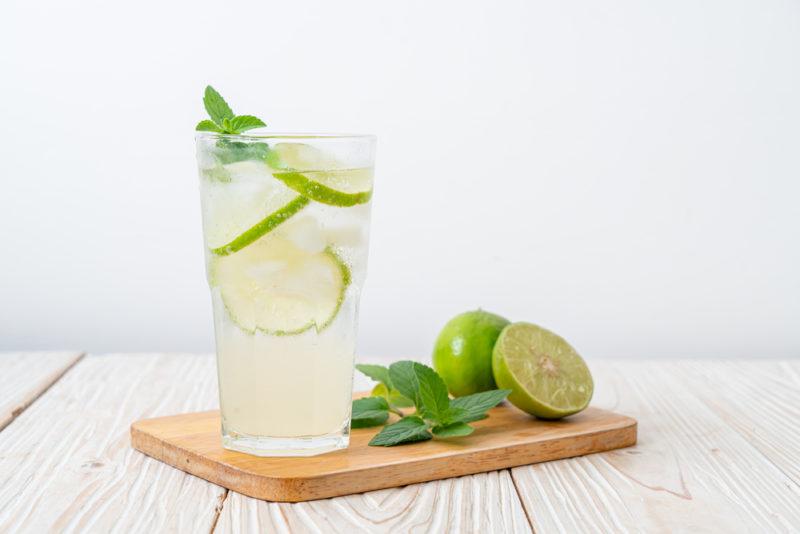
(223, 119)
(411, 383)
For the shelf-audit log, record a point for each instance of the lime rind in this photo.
(320, 192)
(548, 378)
(263, 227)
(291, 164)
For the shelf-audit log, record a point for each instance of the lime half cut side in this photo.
(547, 377)
(275, 287)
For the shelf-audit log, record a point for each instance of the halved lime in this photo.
(546, 375)
(319, 176)
(276, 287)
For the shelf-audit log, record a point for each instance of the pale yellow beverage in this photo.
(286, 227)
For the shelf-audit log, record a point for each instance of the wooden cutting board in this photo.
(508, 438)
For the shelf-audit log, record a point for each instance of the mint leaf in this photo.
(216, 106)
(434, 402)
(437, 415)
(406, 430)
(397, 399)
(453, 430)
(404, 379)
(222, 118)
(207, 126)
(474, 407)
(378, 373)
(232, 151)
(369, 411)
(242, 123)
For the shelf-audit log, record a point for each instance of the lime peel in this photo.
(264, 226)
(320, 192)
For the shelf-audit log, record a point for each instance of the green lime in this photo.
(317, 190)
(276, 287)
(462, 354)
(250, 197)
(264, 226)
(318, 175)
(546, 375)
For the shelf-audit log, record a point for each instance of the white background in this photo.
(625, 173)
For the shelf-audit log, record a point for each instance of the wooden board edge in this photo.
(196, 465)
(402, 474)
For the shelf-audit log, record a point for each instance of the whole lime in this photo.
(462, 354)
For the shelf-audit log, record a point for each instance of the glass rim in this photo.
(283, 135)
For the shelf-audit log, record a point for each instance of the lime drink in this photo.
(286, 228)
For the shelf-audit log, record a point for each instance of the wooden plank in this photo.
(26, 375)
(509, 437)
(483, 503)
(66, 463)
(690, 471)
(760, 399)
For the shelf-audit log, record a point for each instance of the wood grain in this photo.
(26, 375)
(66, 463)
(718, 452)
(484, 503)
(690, 472)
(509, 437)
(759, 399)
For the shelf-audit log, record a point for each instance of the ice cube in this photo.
(305, 233)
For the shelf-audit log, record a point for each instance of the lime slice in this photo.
(262, 227)
(319, 176)
(250, 198)
(316, 189)
(279, 288)
(547, 377)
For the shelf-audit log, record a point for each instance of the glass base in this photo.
(299, 446)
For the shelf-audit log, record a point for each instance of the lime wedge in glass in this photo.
(319, 176)
(277, 287)
(247, 200)
(546, 375)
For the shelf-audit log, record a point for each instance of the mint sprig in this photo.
(223, 120)
(418, 385)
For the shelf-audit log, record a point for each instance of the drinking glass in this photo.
(286, 228)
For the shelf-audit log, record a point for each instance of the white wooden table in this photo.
(719, 451)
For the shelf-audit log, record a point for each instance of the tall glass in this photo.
(286, 229)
